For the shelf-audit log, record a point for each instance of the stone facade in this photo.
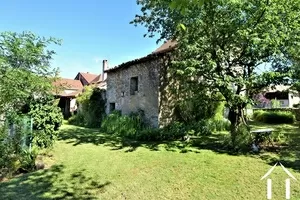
(134, 88)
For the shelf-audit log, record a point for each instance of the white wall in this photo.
(69, 91)
(293, 99)
(73, 105)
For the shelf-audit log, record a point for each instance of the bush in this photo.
(274, 117)
(77, 120)
(124, 126)
(243, 140)
(201, 105)
(92, 107)
(47, 118)
(14, 154)
(218, 125)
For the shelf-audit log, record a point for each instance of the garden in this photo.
(207, 150)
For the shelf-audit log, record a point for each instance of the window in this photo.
(134, 82)
(112, 107)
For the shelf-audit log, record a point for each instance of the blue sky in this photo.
(91, 30)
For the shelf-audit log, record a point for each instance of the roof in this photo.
(67, 83)
(72, 94)
(97, 79)
(167, 46)
(278, 88)
(88, 76)
(162, 50)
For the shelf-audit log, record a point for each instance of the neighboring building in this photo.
(85, 78)
(142, 84)
(68, 89)
(100, 80)
(286, 97)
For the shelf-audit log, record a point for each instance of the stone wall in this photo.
(167, 93)
(146, 98)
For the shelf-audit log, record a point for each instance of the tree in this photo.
(225, 43)
(25, 71)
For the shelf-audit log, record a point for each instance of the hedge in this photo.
(274, 117)
(295, 111)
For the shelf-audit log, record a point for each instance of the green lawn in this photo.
(87, 164)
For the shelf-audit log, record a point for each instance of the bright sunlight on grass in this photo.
(93, 165)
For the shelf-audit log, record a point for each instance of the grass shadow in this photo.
(79, 135)
(52, 184)
(286, 151)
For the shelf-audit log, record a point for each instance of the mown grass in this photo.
(92, 165)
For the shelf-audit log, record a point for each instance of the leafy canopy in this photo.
(226, 41)
(221, 44)
(25, 70)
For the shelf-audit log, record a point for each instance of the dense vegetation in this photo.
(91, 108)
(225, 43)
(134, 126)
(274, 117)
(31, 119)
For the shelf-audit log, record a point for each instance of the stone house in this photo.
(142, 84)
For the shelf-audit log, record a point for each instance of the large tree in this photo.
(224, 43)
(25, 71)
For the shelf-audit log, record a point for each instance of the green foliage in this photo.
(226, 42)
(92, 107)
(275, 103)
(14, 154)
(47, 118)
(193, 107)
(215, 125)
(243, 140)
(274, 117)
(24, 69)
(122, 125)
(173, 131)
(219, 111)
(77, 120)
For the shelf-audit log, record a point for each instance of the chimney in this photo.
(104, 67)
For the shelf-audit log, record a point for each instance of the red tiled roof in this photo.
(97, 79)
(68, 83)
(88, 77)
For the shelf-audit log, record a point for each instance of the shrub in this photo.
(175, 130)
(275, 103)
(124, 126)
(243, 140)
(199, 106)
(47, 118)
(149, 134)
(218, 125)
(274, 117)
(201, 127)
(92, 107)
(77, 120)
(14, 154)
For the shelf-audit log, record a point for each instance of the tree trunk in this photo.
(235, 118)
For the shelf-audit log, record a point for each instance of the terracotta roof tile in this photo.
(97, 79)
(68, 83)
(88, 77)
